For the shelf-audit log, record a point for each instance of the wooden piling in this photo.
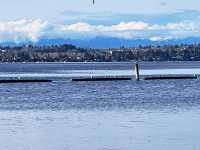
(137, 74)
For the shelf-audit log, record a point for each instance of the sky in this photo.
(32, 20)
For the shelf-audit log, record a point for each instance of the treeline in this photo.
(70, 53)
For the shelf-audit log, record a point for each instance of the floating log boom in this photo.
(25, 81)
(102, 79)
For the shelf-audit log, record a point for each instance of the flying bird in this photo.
(163, 3)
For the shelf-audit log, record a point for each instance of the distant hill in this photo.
(107, 42)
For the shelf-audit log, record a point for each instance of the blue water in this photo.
(112, 115)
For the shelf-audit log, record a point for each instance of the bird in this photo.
(93, 2)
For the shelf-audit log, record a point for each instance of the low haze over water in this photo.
(111, 115)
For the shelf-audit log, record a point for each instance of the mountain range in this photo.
(106, 42)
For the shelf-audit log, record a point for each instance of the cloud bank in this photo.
(34, 30)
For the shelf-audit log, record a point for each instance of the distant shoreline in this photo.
(96, 62)
(69, 53)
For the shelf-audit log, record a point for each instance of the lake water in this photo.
(111, 115)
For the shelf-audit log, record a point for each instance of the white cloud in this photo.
(33, 30)
(22, 30)
(79, 27)
(123, 26)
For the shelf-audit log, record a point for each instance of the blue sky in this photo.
(22, 20)
(50, 9)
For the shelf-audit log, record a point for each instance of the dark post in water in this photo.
(137, 75)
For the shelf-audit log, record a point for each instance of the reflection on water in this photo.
(122, 115)
(69, 70)
(68, 74)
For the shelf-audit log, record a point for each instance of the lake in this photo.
(111, 115)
